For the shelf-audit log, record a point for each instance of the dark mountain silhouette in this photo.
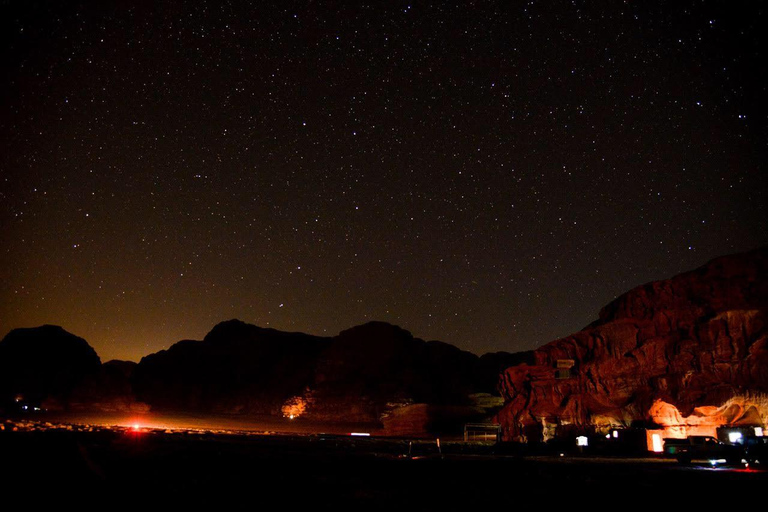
(385, 362)
(109, 390)
(237, 367)
(700, 338)
(358, 375)
(371, 369)
(43, 363)
(362, 374)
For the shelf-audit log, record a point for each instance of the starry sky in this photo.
(485, 173)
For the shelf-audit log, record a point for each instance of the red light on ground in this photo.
(748, 469)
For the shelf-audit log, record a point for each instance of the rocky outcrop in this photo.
(236, 368)
(109, 390)
(372, 368)
(380, 372)
(747, 411)
(43, 364)
(362, 375)
(697, 339)
(423, 420)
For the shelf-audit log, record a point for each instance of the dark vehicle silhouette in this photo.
(756, 450)
(702, 448)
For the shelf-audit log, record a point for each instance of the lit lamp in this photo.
(582, 441)
(658, 447)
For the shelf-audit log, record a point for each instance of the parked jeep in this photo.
(702, 448)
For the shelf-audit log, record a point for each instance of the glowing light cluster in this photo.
(294, 407)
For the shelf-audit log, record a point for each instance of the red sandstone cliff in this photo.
(697, 339)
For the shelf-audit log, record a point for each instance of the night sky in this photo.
(489, 174)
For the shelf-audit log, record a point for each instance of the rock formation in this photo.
(375, 367)
(697, 339)
(361, 375)
(738, 411)
(43, 364)
(109, 390)
(365, 374)
(236, 368)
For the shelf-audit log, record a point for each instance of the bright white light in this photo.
(759, 431)
(360, 434)
(615, 434)
(582, 441)
(656, 442)
(734, 437)
(136, 426)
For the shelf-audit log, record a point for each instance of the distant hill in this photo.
(360, 375)
(236, 368)
(43, 363)
(665, 348)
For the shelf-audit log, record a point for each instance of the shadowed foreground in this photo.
(108, 465)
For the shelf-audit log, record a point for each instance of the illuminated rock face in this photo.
(697, 339)
(704, 421)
